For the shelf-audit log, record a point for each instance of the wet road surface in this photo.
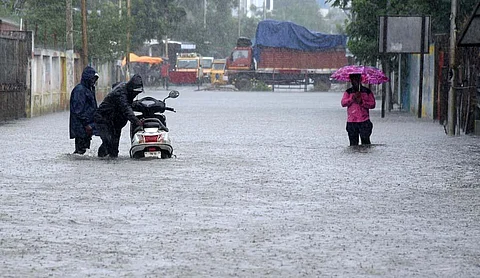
(263, 185)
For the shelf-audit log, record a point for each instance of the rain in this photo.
(262, 183)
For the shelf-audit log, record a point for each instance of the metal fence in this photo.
(467, 74)
(468, 110)
(15, 48)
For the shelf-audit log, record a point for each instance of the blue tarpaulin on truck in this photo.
(273, 33)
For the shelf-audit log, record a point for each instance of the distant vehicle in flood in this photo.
(206, 63)
(186, 69)
(217, 74)
(285, 53)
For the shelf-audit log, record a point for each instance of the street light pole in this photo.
(451, 93)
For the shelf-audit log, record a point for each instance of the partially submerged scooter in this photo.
(151, 139)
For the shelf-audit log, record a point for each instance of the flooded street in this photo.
(263, 185)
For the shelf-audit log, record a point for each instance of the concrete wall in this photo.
(412, 84)
(49, 92)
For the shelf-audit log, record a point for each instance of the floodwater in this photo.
(263, 185)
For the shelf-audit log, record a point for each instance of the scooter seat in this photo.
(152, 124)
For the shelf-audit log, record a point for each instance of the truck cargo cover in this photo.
(272, 33)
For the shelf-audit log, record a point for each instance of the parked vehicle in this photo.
(286, 53)
(152, 139)
(217, 74)
(206, 63)
(186, 69)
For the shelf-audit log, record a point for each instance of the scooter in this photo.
(151, 139)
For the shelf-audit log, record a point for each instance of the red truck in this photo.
(284, 54)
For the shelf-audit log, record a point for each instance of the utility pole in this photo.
(127, 58)
(239, 17)
(84, 34)
(451, 93)
(264, 9)
(166, 47)
(204, 14)
(69, 52)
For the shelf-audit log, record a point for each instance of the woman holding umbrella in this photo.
(358, 100)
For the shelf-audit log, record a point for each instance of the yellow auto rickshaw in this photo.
(217, 74)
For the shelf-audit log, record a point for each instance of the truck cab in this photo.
(240, 65)
(241, 57)
(186, 69)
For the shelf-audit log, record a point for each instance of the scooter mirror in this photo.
(173, 94)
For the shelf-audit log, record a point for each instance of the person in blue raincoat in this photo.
(83, 104)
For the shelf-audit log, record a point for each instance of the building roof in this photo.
(6, 24)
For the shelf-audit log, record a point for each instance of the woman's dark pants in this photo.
(362, 130)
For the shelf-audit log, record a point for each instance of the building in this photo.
(259, 4)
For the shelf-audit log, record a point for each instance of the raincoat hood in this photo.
(134, 86)
(89, 77)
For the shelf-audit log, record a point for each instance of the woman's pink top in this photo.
(357, 113)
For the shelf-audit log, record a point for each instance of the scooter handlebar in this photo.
(170, 109)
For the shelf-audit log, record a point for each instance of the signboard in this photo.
(188, 46)
(403, 34)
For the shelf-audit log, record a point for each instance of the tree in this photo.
(303, 12)
(362, 30)
(47, 19)
(103, 43)
(155, 19)
(11, 7)
(219, 37)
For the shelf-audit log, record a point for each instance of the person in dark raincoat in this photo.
(83, 104)
(114, 113)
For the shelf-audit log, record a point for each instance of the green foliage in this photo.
(181, 20)
(217, 36)
(155, 19)
(47, 19)
(362, 29)
(302, 12)
(6, 11)
(104, 44)
(260, 86)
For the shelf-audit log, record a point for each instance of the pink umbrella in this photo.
(370, 75)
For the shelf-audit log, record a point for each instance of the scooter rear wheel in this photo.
(138, 155)
(166, 155)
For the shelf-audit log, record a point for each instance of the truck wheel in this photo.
(243, 84)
